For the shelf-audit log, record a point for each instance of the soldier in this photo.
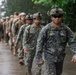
(1, 30)
(14, 30)
(15, 20)
(55, 36)
(22, 17)
(18, 24)
(4, 27)
(29, 19)
(20, 38)
(7, 30)
(10, 31)
(30, 40)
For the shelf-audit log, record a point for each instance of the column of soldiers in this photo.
(28, 38)
(13, 30)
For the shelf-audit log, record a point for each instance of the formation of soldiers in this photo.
(27, 37)
(13, 33)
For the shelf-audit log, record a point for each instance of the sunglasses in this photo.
(57, 16)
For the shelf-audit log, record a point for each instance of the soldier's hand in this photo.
(6, 32)
(40, 62)
(25, 51)
(15, 46)
(13, 40)
(73, 60)
(9, 33)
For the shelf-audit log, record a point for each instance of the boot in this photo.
(28, 72)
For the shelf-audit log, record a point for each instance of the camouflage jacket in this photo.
(30, 36)
(20, 34)
(10, 25)
(54, 41)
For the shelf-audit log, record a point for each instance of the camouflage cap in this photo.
(37, 16)
(29, 16)
(56, 11)
(11, 16)
(7, 17)
(22, 14)
(16, 13)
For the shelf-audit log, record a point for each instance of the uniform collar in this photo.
(34, 26)
(28, 24)
(53, 27)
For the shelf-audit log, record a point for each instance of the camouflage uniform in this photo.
(1, 31)
(17, 23)
(4, 28)
(10, 32)
(55, 40)
(7, 29)
(14, 34)
(20, 37)
(14, 25)
(19, 41)
(30, 40)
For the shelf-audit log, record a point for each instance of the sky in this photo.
(0, 4)
(0, 1)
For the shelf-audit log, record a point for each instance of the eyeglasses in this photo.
(55, 16)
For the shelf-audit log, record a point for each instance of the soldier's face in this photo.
(22, 17)
(37, 21)
(57, 19)
(7, 19)
(28, 21)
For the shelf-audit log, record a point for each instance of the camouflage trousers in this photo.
(38, 69)
(7, 38)
(53, 68)
(11, 42)
(20, 53)
(0, 36)
(29, 59)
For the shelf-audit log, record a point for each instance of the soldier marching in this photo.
(29, 39)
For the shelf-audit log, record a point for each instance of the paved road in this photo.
(9, 63)
(69, 67)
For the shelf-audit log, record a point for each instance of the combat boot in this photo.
(28, 73)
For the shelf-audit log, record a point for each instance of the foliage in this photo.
(19, 6)
(32, 6)
(26, 6)
(69, 6)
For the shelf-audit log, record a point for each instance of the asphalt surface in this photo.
(9, 63)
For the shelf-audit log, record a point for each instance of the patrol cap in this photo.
(22, 14)
(29, 16)
(16, 13)
(37, 16)
(7, 17)
(11, 16)
(57, 11)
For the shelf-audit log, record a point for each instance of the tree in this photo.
(25, 6)
(19, 6)
(67, 5)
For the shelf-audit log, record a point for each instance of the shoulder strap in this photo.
(29, 30)
(45, 39)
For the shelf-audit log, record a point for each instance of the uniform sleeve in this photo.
(40, 45)
(20, 34)
(71, 40)
(10, 24)
(25, 37)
